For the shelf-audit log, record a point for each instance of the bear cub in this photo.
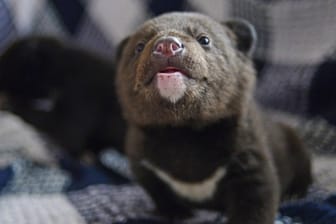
(196, 137)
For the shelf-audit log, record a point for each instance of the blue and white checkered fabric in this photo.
(296, 61)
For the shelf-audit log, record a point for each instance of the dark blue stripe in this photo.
(70, 13)
(5, 175)
(6, 23)
(5, 17)
(157, 7)
(85, 175)
(322, 93)
(311, 212)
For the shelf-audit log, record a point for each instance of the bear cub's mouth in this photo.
(167, 71)
(172, 70)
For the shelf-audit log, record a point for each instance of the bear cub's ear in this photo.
(245, 34)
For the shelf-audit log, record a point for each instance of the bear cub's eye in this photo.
(203, 40)
(139, 47)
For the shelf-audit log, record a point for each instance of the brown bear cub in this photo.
(196, 138)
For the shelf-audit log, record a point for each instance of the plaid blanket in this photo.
(37, 186)
(295, 59)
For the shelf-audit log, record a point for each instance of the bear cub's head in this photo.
(182, 68)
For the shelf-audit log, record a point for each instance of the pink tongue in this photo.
(171, 85)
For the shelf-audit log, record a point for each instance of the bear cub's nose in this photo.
(168, 47)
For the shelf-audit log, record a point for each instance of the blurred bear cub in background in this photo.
(66, 92)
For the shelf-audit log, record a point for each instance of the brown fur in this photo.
(215, 123)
